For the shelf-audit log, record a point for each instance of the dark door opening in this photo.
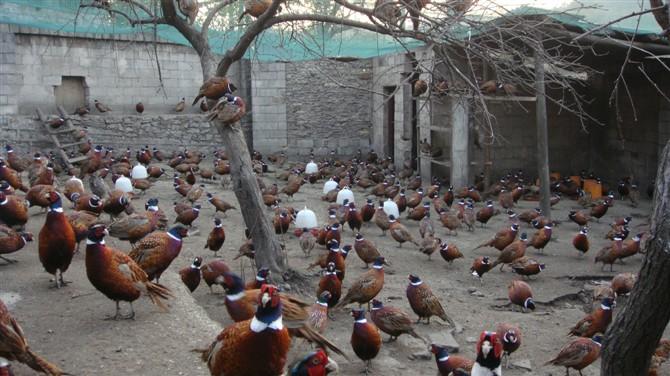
(389, 120)
(72, 93)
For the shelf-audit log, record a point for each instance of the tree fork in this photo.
(636, 330)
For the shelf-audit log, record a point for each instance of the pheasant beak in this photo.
(332, 366)
(265, 299)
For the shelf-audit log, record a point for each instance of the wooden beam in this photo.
(542, 135)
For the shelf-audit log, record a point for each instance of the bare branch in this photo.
(212, 13)
(634, 14)
(247, 38)
(139, 5)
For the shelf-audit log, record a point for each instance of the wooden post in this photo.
(460, 142)
(542, 135)
(424, 124)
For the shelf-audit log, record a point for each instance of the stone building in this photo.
(614, 144)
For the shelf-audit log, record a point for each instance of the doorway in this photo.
(389, 120)
(72, 93)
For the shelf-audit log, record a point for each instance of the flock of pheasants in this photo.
(266, 320)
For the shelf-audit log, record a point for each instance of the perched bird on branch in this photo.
(255, 8)
(388, 11)
(662, 16)
(215, 88)
(189, 8)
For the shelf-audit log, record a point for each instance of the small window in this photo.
(72, 93)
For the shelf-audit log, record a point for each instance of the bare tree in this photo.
(636, 330)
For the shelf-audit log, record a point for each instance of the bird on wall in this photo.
(180, 105)
(101, 106)
(81, 111)
(139, 107)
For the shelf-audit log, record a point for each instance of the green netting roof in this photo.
(271, 45)
(587, 19)
(274, 44)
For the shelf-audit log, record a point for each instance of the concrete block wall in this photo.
(268, 94)
(631, 146)
(338, 117)
(119, 73)
(515, 146)
(167, 132)
(9, 78)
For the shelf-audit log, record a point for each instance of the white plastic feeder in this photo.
(306, 219)
(329, 186)
(139, 172)
(391, 208)
(311, 168)
(345, 194)
(124, 184)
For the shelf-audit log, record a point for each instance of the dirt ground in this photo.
(67, 327)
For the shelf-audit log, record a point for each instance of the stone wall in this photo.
(167, 132)
(298, 106)
(331, 101)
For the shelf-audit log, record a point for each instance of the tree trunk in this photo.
(208, 64)
(268, 250)
(639, 325)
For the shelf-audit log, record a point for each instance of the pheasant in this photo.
(117, 276)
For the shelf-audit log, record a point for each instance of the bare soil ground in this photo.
(67, 327)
